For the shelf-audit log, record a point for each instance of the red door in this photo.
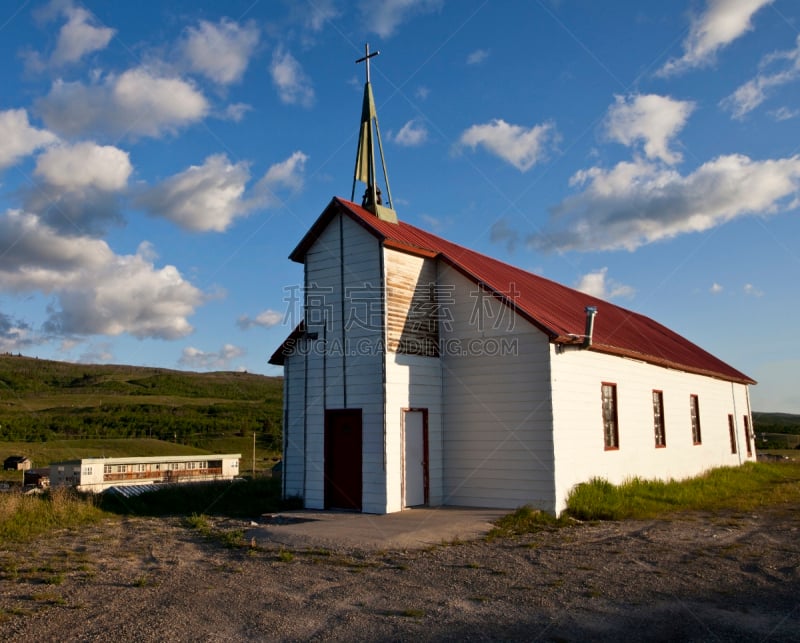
(343, 459)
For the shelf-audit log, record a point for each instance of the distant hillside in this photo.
(777, 430)
(42, 400)
(776, 422)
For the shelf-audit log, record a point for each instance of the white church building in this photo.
(425, 373)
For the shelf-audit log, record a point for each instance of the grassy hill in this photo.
(42, 400)
(776, 430)
(776, 422)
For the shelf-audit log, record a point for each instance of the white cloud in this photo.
(318, 13)
(715, 288)
(501, 232)
(637, 203)
(79, 36)
(294, 87)
(384, 17)
(15, 334)
(265, 319)
(97, 353)
(437, 224)
(285, 175)
(79, 187)
(211, 196)
(520, 147)
(751, 290)
(94, 290)
(203, 197)
(755, 91)
(721, 23)
(422, 92)
(85, 165)
(18, 138)
(648, 118)
(478, 56)
(599, 285)
(220, 360)
(220, 51)
(784, 113)
(413, 133)
(137, 103)
(235, 111)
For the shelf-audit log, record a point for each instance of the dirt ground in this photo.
(696, 577)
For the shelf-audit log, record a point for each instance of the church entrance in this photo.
(343, 459)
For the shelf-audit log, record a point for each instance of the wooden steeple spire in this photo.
(365, 157)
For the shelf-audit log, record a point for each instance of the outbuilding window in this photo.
(694, 409)
(732, 433)
(610, 425)
(658, 419)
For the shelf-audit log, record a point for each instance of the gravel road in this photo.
(695, 577)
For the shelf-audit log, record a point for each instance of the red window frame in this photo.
(747, 436)
(694, 412)
(608, 398)
(659, 426)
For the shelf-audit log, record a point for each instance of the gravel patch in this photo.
(693, 577)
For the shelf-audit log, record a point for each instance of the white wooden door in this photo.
(415, 458)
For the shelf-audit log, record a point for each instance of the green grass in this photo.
(23, 518)
(744, 488)
(141, 581)
(727, 488)
(412, 612)
(285, 556)
(523, 520)
(200, 522)
(229, 538)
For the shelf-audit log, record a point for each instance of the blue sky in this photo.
(159, 160)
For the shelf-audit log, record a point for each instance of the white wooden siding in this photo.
(578, 428)
(293, 473)
(497, 415)
(344, 371)
(412, 381)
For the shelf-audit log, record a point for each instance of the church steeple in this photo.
(365, 157)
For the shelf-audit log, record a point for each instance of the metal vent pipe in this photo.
(591, 311)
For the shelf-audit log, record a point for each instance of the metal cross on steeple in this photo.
(365, 157)
(366, 58)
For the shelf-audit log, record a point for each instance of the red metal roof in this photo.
(557, 310)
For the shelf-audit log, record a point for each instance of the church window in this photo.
(610, 424)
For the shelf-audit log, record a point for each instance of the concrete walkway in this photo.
(408, 529)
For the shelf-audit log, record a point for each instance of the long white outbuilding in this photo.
(98, 474)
